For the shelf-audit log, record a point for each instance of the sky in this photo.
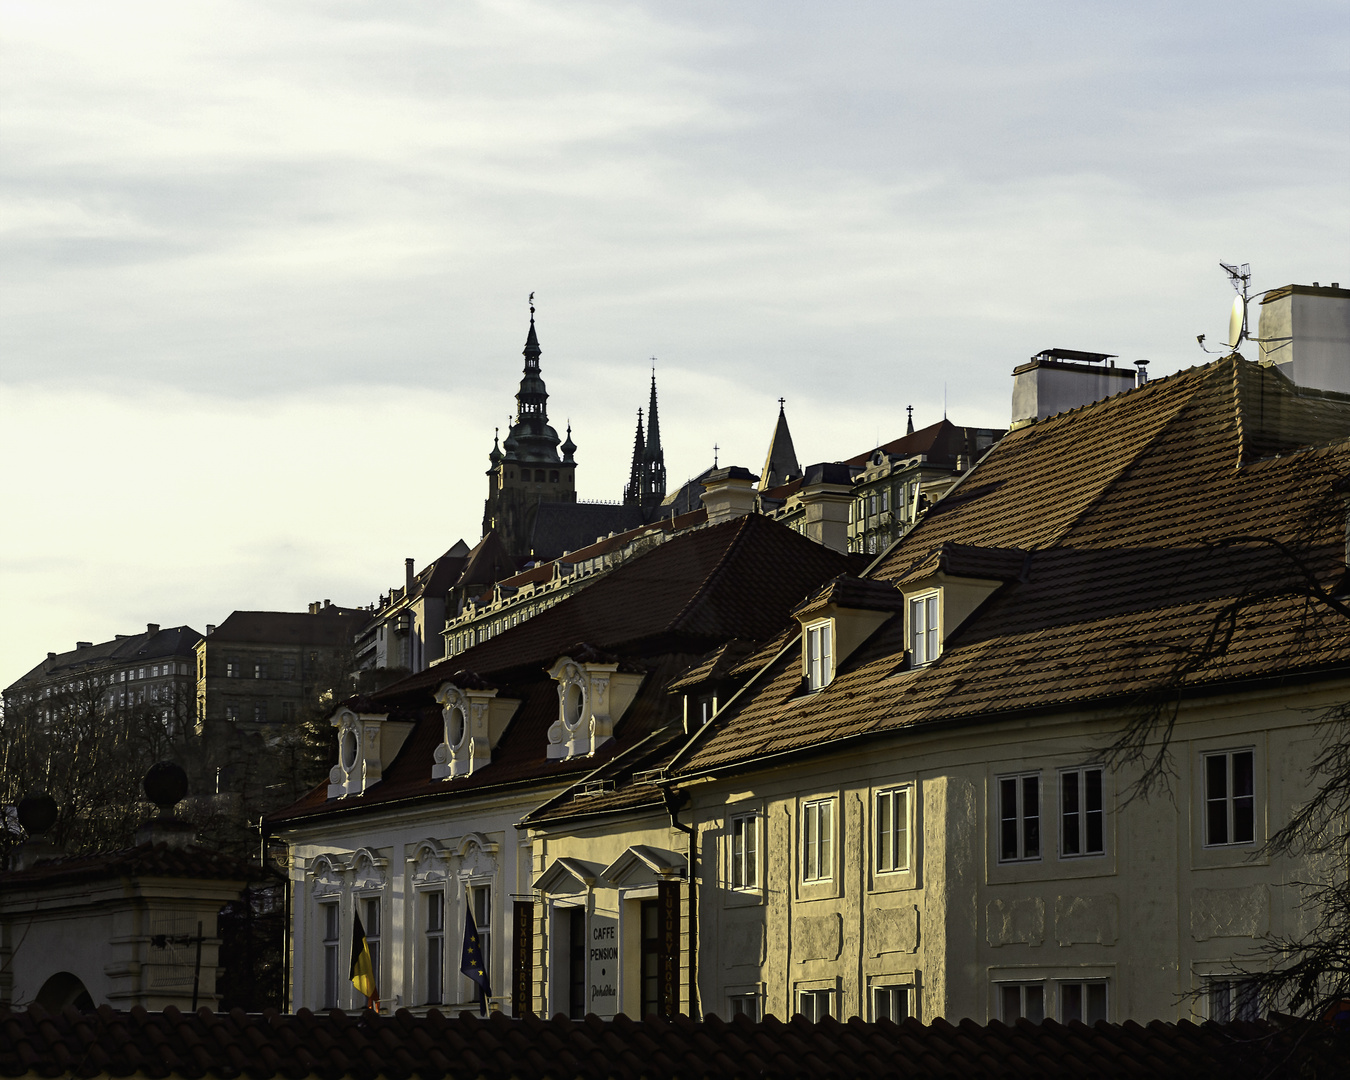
(264, 267)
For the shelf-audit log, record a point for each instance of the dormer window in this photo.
(924, 643)
(820, 654)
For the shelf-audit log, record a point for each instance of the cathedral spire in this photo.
(910, 429)
(654, 452)
(632, 494)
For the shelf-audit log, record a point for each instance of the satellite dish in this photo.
(1237, 322)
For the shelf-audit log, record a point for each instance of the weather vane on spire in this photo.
(532, 307)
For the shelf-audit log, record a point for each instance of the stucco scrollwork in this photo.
(428, 862)
(466, 739)
(327, 874)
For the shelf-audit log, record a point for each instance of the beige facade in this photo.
(1159, 912)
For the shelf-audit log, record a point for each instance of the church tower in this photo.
(647, 474)
(526, 469)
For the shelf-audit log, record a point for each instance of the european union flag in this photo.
(471, 961)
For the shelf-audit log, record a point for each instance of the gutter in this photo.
(673, 801)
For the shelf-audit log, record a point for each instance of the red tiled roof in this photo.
(138, 1043)
(1102, 523)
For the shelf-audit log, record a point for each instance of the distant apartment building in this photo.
(257, 669)
(152, 669)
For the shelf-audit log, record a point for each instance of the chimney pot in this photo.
(327, 604)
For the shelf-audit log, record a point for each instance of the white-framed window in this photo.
(890, 822)
(815, 1005)
(1230, 998)
(1019, 814)
(1018, 1000)
(370, 922)
(743, 852)
(923, 628)
(433, 946)
(818, 840)
(1082, 999)
(744, 1005)
(332, 953)
(1230, 798)
(819, 654)
(891, 1001)
(480, 902)
(1082, 817)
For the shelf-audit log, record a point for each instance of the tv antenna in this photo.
(1240, 277)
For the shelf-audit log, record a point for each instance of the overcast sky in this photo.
(265, 265)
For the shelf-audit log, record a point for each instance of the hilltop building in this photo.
(151, 670)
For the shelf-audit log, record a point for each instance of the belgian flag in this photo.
(363, 967)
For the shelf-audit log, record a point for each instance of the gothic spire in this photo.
(632, 494)
(654, 452)
(530, 437)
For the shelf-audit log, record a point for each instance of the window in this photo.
(231, 669)
(1085, 1001)
(744, 1005)
(231, 712)
(819, 654)
(332, 948)
(1232, 999)
(885, 499)
(1019, 813)
(260, 713)
(154, 672)
(1080, 813)
(1230, 804)
(872, 503)
(260, 671)
(891, 827)
(745, 852)
(480, 899)
(814, 1005)
(818, 840)
(923, 628)
(891, 1003)
(370, 923)
(576, 963)
(288, 669)
(434, 905)
(142, 673)
(1018, 1000)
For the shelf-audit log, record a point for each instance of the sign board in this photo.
(522, 960)
(602, 966)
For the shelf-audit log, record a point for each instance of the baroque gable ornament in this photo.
(473, 719)
(592, 696)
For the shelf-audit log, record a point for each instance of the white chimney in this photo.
(826, 492)
(1057, 380)
(1304, 332)
(729, 493)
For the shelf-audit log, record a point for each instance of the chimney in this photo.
(79, 645)
(327, 604)
(210, 629)
(1304, 332)
(407, 577)
(1057, 380)
(152, 628)
(52, 655)
(826, 493)
(729, 493)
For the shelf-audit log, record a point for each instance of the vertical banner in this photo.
(668, 894)
(522, 959)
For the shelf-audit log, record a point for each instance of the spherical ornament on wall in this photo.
(37, 813)
(165, 784)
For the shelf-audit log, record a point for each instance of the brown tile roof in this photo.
(659, 613)
(157, 1045)
(717, 664)
(941, 442)
(1118, 507)
(327, 627)
(859, 594)
(145, 860)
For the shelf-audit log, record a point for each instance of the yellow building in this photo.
(917, 800)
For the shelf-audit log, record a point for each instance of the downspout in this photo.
(673, 808)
